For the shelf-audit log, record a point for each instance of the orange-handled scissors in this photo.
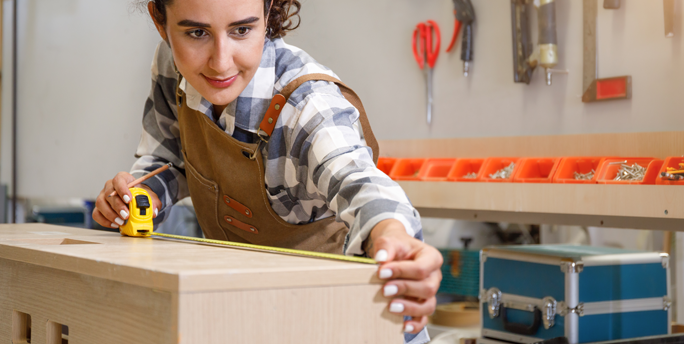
(426, 53)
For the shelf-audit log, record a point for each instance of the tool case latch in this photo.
(493, 299)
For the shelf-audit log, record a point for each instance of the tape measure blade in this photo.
(268, 249)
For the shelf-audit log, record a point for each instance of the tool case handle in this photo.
(522, 329)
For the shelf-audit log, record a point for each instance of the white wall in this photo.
(84, 77)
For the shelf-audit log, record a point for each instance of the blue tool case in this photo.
(588, 294)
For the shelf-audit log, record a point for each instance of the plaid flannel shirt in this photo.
(316, 162)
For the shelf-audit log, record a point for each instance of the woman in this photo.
(270, 150)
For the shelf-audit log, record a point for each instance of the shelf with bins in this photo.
(611, 205)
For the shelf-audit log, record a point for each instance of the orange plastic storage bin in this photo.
(407, 169)
(436, 170)
(536, 170)
(674, 163)
(609, 169)
(385, 164)
(492, 165)
(565, 173)
(464, 167)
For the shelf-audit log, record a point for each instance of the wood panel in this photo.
(95, 309)
(344, 314)
(647, 202)
(653, 144)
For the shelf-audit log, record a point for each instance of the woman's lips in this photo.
(218, 83)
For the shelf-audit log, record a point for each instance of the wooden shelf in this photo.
(619, 206)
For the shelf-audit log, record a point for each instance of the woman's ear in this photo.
(160, 28)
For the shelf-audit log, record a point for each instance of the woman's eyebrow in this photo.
(249, 20)
(192, 23)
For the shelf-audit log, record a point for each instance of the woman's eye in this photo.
(242, 31)
(197, 33)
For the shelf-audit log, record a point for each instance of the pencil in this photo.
(145, 177)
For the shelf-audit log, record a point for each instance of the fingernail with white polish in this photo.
(391, 290)
(156, 212)
(396, 307)
(385, 273)
(126, 199)
(408, 328)
(124, 214)
(381, 256)
(114, 225)
(119, 221)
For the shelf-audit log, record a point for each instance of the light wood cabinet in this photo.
(112, 289)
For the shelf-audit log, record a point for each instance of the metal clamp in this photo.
(564, 309)
(549, 312)
(572, 267)
(493, 299)
(667, 303)
(665, 260)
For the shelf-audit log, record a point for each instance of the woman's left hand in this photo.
(413, 268)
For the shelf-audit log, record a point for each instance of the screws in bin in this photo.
(503, 173)
(631, 173)
(585, 176)
(471, 175)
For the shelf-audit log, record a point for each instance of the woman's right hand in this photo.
(111, 212)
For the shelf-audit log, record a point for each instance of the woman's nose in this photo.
(222, 56)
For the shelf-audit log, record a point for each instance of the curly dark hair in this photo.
(280, 17)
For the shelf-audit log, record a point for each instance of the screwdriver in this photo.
(465, 16)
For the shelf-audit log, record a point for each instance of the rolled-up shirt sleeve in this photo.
(341, 167)
(160, 140)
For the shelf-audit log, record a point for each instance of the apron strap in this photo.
(279, 101)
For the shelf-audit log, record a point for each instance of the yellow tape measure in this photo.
(272, 249)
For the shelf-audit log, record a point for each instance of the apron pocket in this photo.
(204, 194)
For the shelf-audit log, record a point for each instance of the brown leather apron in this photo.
(227, 184)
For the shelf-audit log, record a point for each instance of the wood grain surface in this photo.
(344, 314)
(170, 265)
(646, 201)
(95, 309)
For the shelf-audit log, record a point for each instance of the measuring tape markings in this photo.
(332, 256)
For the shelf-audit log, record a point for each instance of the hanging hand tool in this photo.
(611, 4)
(668, 7)
(465, 16)
(426, 54)
(525, 57)
(596, 89)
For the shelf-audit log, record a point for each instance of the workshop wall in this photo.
(368, 43)
(84, 77)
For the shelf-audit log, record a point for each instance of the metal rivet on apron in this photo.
(227, 200)
(252, 229)
(229, 219)
(270, 121)
(277, 106)
(247, 212)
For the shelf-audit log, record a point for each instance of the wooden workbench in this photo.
(112, 289)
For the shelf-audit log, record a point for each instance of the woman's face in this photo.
(217, 44)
